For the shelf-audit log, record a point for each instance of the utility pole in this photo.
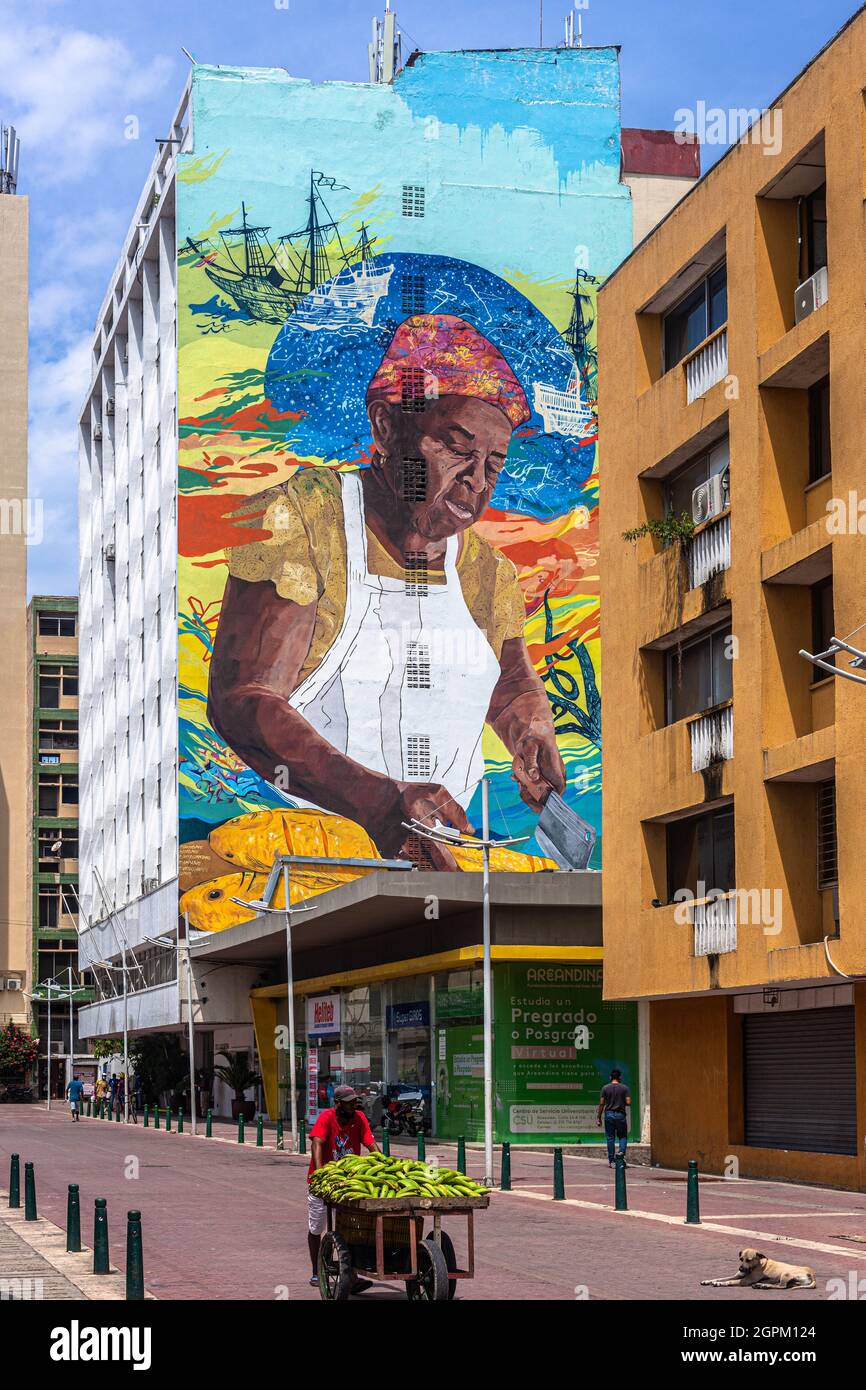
(290, 1002)
(488, 990)
(445, 836)
(71, 1030)
(189, 1021)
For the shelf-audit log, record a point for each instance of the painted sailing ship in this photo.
(572, 411)
(309, 273)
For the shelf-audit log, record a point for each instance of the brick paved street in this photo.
(223, 1221)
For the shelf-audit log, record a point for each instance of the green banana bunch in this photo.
(376, 1175)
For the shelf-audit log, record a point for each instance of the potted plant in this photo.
(239, 1077)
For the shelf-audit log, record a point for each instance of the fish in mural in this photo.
(252, 841)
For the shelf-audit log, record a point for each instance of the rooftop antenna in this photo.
(384, 52)
(569, 27)
(9, 147)
(540, 23)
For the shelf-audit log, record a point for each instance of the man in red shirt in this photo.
(337, 1132)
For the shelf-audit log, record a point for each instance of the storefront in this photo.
(413, 1046)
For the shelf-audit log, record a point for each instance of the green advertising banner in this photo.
(460, 1082)
(547, 1088)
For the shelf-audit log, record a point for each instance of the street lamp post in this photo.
(448, 837)
(263, 905)
(189, 1022)
(488, 990)
(71, 1031)
(125, 1034)
(48, 1106)
(290, 997)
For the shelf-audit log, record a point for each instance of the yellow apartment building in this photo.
(732, 346)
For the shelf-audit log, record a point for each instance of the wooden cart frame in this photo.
(439, 1275)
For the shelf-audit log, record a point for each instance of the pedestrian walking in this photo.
(613, 1105)
(74, 1092)
(135, 1097)
(99, 1090)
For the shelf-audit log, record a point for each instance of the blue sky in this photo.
(71, 71)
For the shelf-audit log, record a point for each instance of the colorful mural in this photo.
(388, 507)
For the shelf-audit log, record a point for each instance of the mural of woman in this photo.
(363, 645)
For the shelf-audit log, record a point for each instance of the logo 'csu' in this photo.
(323, 1012)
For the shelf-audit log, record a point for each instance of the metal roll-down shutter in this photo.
(799, 1080)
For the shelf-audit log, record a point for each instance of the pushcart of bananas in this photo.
(376, 1209)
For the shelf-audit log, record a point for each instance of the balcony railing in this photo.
(707, 365)
(712, 738)
(709, 552)
(715, 923)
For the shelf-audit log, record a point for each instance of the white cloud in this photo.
(57, 389)
(67, 92)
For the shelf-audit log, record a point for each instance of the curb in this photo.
(49, 1241)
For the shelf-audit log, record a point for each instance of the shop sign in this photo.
(312, 1084)
(555, 1042)
(407, 1016)
(323, 1014)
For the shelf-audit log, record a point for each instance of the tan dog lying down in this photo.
(758, 1272)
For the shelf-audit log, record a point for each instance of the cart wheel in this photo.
(335, 1267)
(450, 1258)
(431, 1286)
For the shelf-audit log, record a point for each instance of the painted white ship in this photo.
(564, 412)
(351, 297)
(568, 412)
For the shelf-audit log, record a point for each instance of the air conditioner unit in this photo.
(109, 405)
(810, 295)
(149, 885)
(14, 983)
(109, 552)
(710, 498)
(97, 431)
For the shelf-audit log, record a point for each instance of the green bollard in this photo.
(422, 1152)
(302, 1136)
(693, 1205)
(505, 1173)
(118, 1112)
(260, 1132)
(208, 1125)
(168, 1119)
(73, 1220)
(29, 1193)
(241, 1127)
(280, 1133)
(386, 1142)
(15, 1182)
(461, 1154)
(180, 1122)
(620, 1195)
(156, 1117)
(146, 1116)
(558, 1177)
(87, 1105)
(100, 1236)
(134, 1261)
